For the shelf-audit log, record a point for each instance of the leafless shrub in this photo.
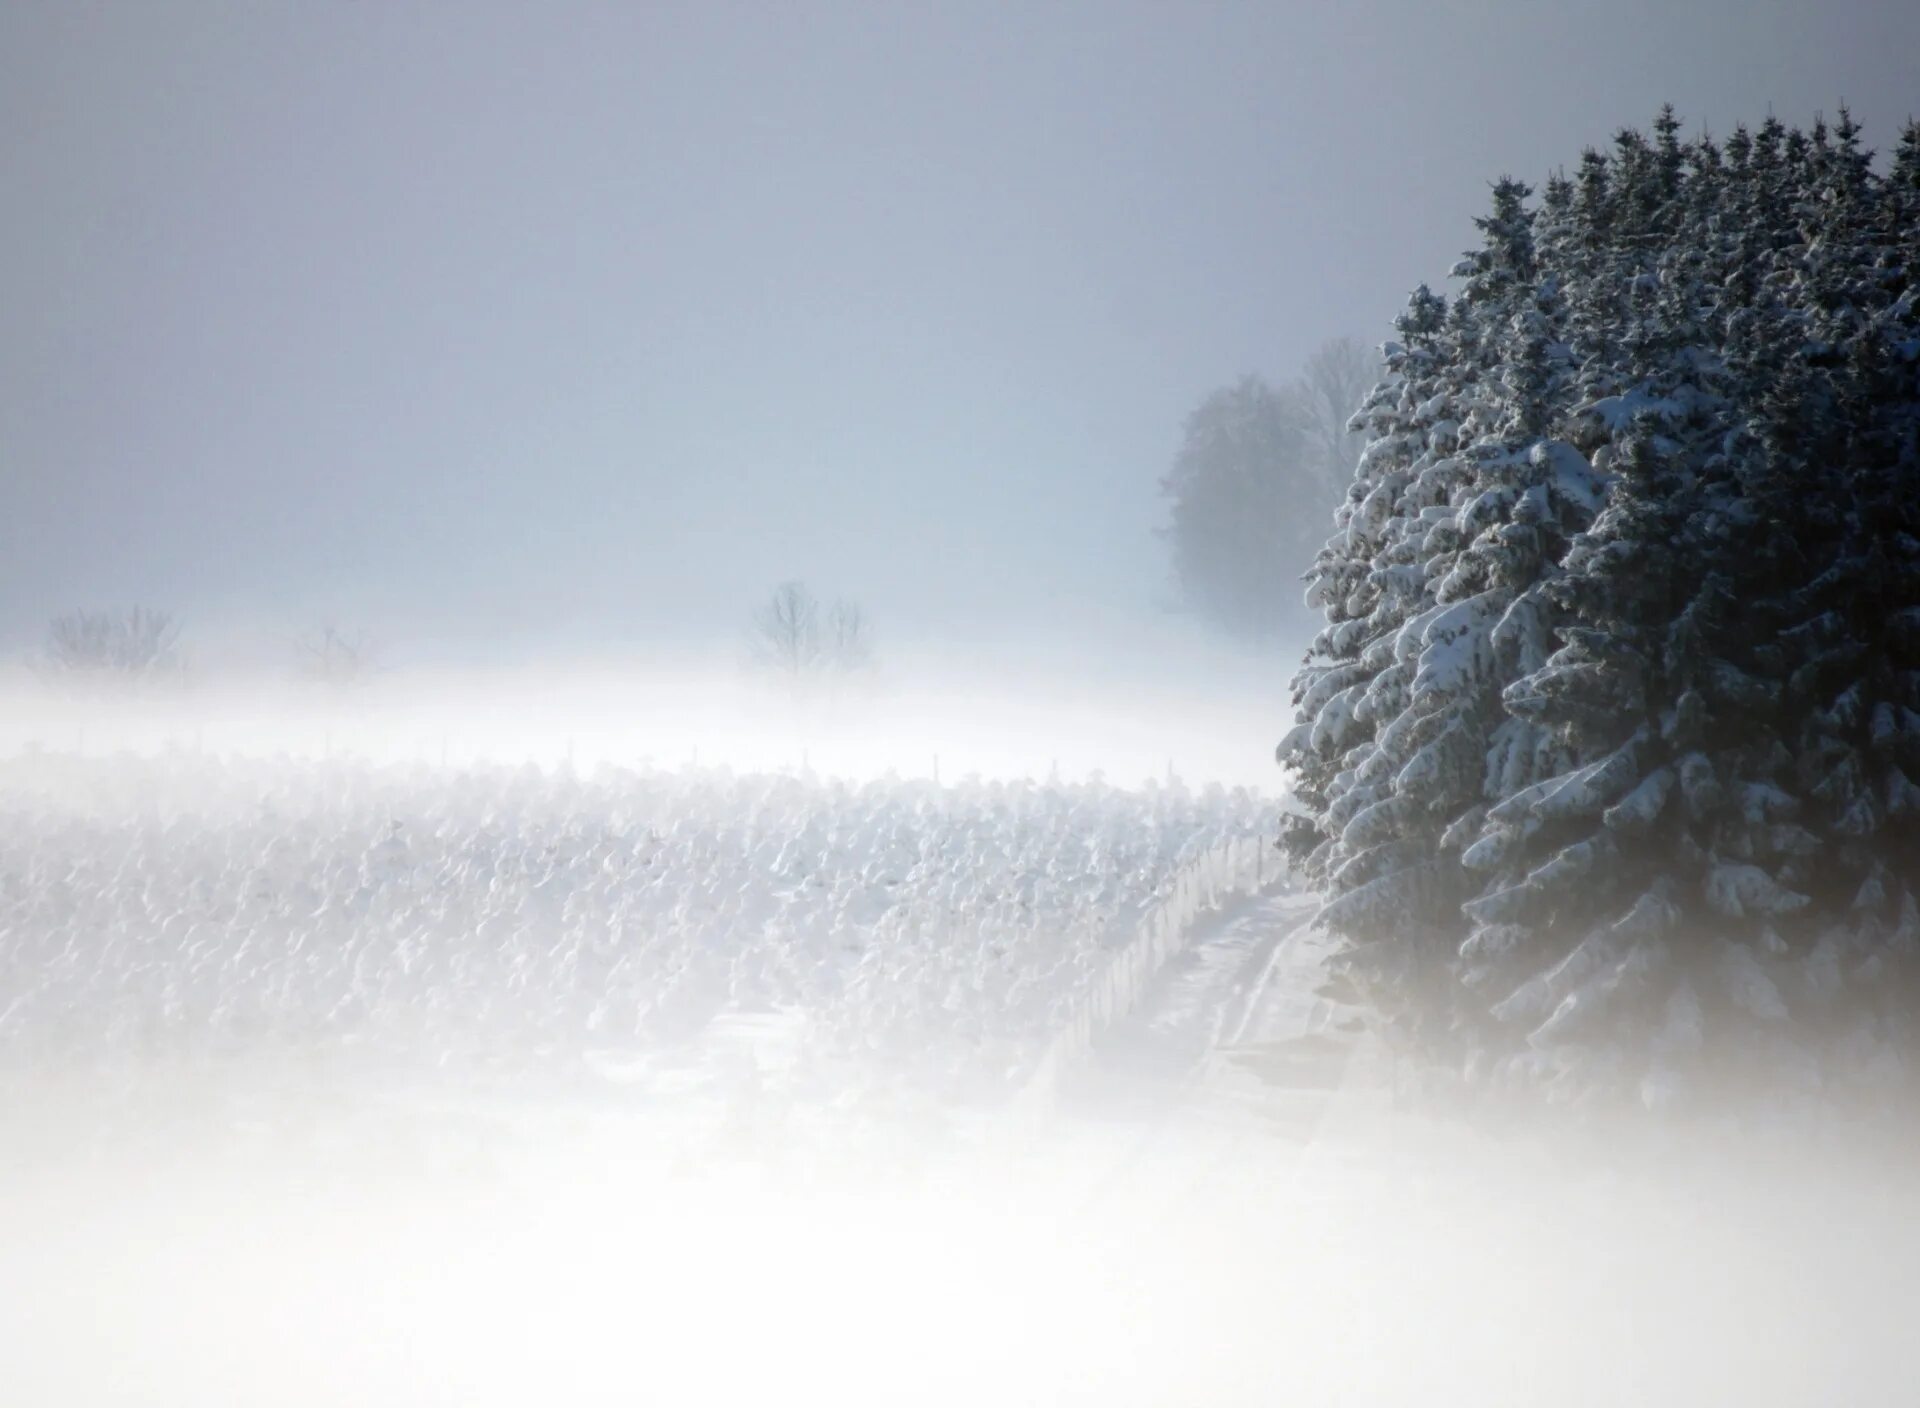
(785, 634)
(129, 646)
(1333, 385)
(336, 658)
(849, 643)
(793, 636)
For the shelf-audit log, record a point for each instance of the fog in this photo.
(487, 325)
(1205, 721)
(438, 1251)
(471, 963)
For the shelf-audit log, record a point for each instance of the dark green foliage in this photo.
(1610, 749)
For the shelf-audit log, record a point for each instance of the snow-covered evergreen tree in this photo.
(1610, 750)
(1371, 583)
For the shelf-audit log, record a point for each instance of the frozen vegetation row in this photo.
(192, 907)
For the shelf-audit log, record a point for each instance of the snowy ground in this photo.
(334, 1082)
(1201, 1254)
(1232, 983)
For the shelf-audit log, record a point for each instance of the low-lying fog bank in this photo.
(374, 1250)
(349, 1060)
(1203, 715)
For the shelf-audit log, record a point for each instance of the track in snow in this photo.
(1216, 993)
(1236, 1044)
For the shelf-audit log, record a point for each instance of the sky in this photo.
(506, 323)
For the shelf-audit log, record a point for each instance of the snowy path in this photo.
(1236, 1045)
(1231, 983)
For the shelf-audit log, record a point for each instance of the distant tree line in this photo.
(126, 648)
(792, 635)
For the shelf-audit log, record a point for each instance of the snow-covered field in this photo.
(250, 1008)
(815, 934)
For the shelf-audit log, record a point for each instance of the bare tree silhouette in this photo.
(125, 646)
(794, 636)
(336, 658)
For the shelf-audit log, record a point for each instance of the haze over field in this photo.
(503, 328)
(674, 726)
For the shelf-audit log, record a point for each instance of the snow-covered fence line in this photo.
(1230, 868)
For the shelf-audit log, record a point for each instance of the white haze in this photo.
(541, 341)
(383, 1251)
(290, 1222)
(592, 322)
(1179, 708)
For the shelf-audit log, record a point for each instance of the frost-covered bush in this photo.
(1607, 751)
(189, 905)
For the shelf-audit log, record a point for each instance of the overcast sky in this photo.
(601, 318)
